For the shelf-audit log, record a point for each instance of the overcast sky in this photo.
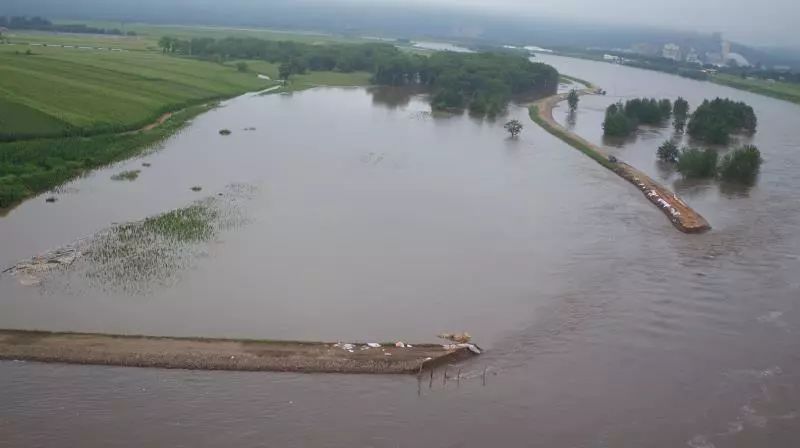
(766, 22)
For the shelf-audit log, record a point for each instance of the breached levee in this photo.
(683, 217)
(227, 354)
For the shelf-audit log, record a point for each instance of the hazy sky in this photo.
(773, 22)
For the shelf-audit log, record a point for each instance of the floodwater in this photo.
(370, 219)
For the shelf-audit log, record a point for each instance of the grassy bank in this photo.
(30, 167)
(569, 139)
(781, 90)
(58, 92)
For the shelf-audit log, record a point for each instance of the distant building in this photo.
(612, 58)
(737, 60)
(726, 50)
(671, 51)
(693, 58)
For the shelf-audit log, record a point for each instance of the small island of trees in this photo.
(483, 83)
(622, 119)
(740, 165)
(714, 121)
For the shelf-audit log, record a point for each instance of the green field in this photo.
(309, 79)
(781, 90)
(85, 92)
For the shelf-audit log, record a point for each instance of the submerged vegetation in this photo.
(714, 121)
(480, 82)
(130, 175)
(741, 165)
(33, 166)
(133, 256)
(738, 166)
(623, 119)
(668, 152)
(695, 163)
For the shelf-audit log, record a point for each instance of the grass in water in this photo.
(130, 175)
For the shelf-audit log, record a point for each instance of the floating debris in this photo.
(224, 132)
(461, 338)
(146, 164)
(373, 345)
(196, 188)
(250, 129)
(51, 199)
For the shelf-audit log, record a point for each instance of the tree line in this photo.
(740, 165)
(483, 83)
(42, 24)
(623, 119)
(714, 121)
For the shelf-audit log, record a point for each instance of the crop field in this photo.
(69, 91)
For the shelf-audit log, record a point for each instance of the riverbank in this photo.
(774, 89)
(683, 217)
(226, 354)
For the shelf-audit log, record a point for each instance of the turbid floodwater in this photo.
(361, 216)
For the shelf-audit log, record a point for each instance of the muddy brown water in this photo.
(373, 220)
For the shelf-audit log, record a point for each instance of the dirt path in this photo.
(224, 354)
(158, 122)
(683, 217)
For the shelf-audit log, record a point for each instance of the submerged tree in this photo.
(285, 71)
(696, 163)
(741, 165)
(514, 127)
(668, 152)
(572, 99)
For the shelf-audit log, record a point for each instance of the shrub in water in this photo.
(741, 165)
(696, 163)
(668, 152)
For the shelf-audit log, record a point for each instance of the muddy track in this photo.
(680, 214)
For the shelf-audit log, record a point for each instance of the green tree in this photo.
(167, 44)
(285, 71)
(242, 67)
(572, 99)
(697, 164)
(514, 127)
(668, 152)
(741, 165)
(680, 109)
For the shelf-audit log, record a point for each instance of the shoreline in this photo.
(680, 214)
(226, 354)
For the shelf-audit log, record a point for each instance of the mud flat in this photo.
(226, 354)
(683, 217)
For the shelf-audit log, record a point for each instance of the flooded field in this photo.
(368, 218)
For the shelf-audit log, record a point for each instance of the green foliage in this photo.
(715, 120)
(696, 163)
(481, 82)
(623, 119)
(741, 165)
(680, 109)
(572, 99)
(33, 166)
(514, 127)
(130, 175)
(242, 67)
(668, 152)
(60, 93)
(617, 123)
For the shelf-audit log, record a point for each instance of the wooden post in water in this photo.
(458, 378)
(444, 377)
(484, 375)
(430, 384)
